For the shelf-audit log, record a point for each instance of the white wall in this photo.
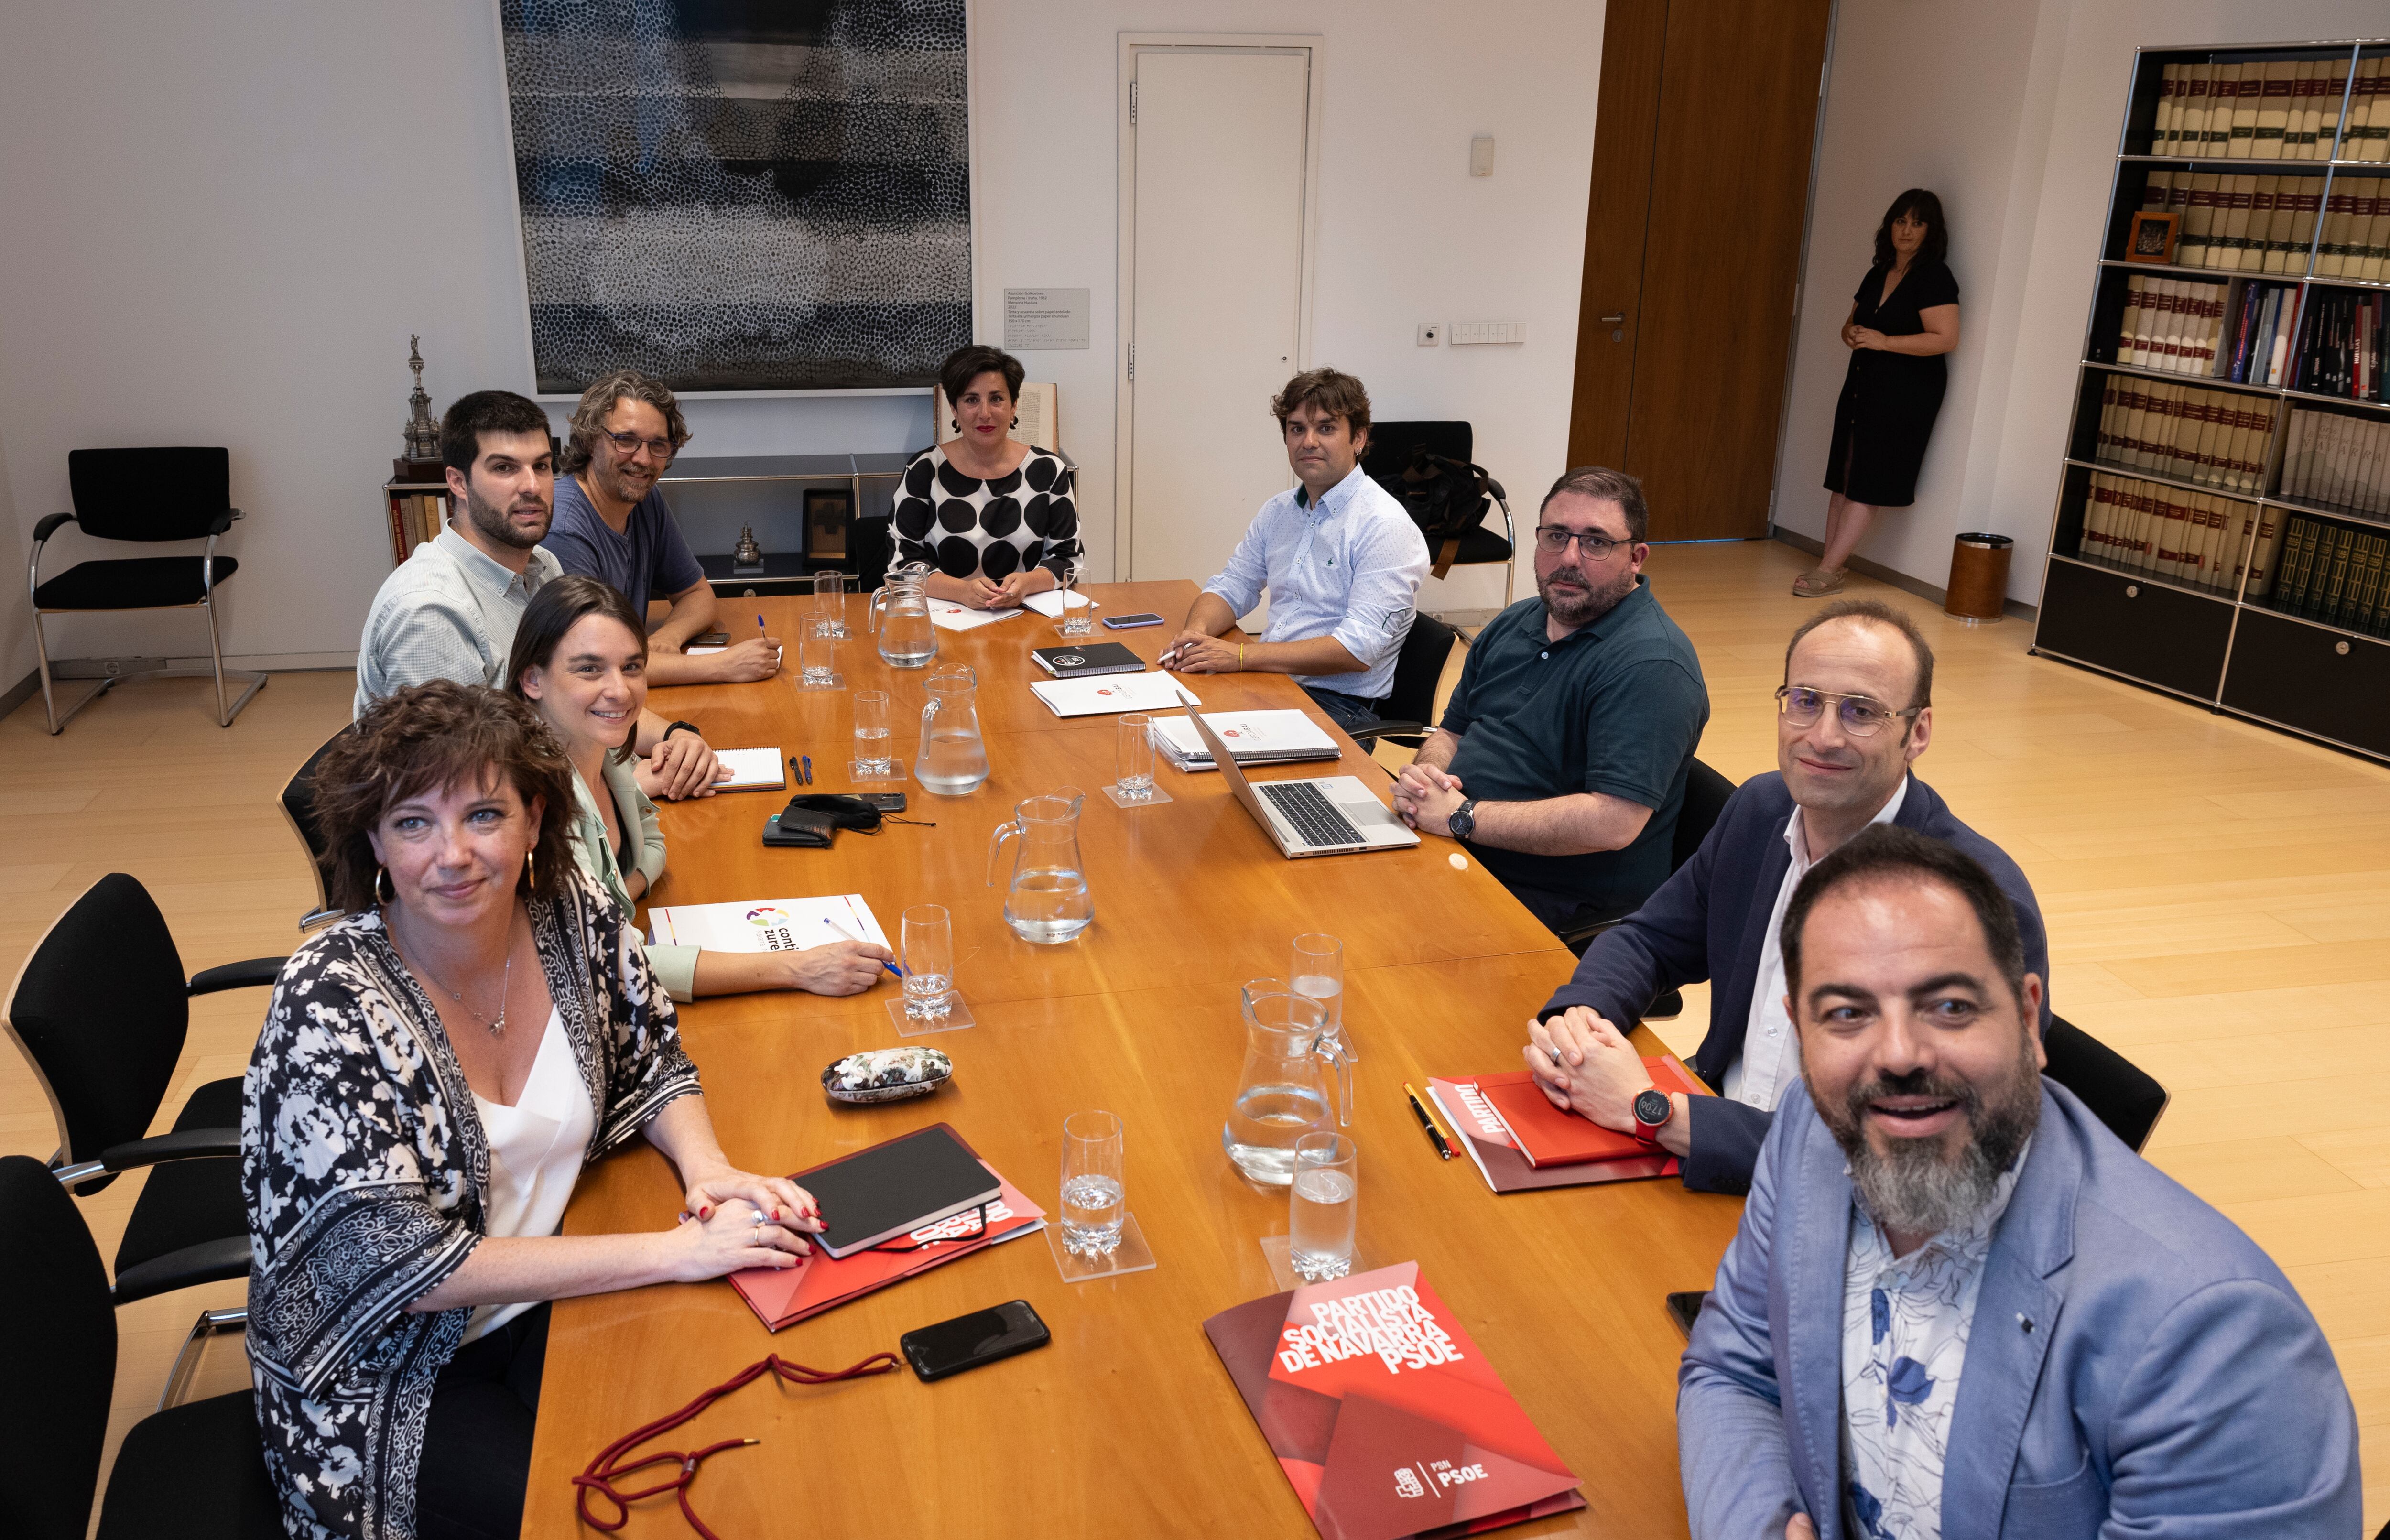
(2011, 110)
(224, 221)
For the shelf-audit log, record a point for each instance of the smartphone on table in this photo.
(1130, 622)
(968, 1341)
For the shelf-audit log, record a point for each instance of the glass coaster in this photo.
(896, 771)
(1275, 1250)
(1154, 798)
(836, 682)
(957, 1017)
(1132, 1255)
(1086, 633)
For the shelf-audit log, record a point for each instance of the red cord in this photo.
(602, 1472)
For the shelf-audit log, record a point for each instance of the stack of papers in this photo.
(1256, 738)
(776, 925)
(1050, 602)
(958, 617)
(1106, 694)
(752, 770)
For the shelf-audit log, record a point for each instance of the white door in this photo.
(1215, 240)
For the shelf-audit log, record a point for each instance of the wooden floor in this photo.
(2218, 895)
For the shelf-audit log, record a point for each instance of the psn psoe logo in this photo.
(1407, 1483)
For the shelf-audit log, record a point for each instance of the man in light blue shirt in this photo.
(1341, 558)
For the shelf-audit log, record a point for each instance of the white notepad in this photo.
(1049, 603)
(752, 770)
(958, 617)
(1105, 694)
(772, 925)
(1256, 738)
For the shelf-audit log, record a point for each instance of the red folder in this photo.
(1386, 1419)
(1548, 1135)
(783, 1296)
(1488, 1142)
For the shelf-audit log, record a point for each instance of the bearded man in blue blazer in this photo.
(1854, 713)
(1959, 1308)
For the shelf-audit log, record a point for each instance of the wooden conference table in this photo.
(1127, 1424)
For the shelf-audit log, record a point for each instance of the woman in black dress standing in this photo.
(1903, 319)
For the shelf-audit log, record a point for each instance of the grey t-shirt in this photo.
(649, 559)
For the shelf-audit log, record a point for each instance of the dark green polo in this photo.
(1615, 707)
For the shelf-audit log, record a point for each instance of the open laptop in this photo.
(1315, 816)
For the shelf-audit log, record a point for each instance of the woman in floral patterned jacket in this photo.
(414, 1121)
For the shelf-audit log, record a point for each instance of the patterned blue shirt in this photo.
(1347, 567)
(1905, 1327)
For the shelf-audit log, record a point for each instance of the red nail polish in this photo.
(705, 1214)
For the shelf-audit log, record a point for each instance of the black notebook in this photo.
(881, 1192)
(1079, 663)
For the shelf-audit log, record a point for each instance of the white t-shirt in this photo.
(536, 1149)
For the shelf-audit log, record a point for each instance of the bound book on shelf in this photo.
(1087, 659)
(1255, 737)
(1383, 1412)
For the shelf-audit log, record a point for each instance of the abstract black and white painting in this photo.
(743, 195)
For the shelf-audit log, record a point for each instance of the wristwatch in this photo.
(677, 726)
(1463, 821)
(1653, 1108)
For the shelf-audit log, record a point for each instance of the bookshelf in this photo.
(413, 512)
(2222, 529)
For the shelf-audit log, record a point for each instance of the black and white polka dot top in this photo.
(965, 527)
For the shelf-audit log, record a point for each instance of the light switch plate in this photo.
(1430, 333)
(1481, 155)
(1478, 333)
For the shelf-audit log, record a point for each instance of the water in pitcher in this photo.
(1050, 905)
(1264, 1124)
(954, 760)
(908, 638)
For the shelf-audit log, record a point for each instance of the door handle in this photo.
(1613, 320)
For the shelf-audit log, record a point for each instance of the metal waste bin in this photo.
(1979, 578)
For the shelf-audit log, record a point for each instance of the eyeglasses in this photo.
(1596, 547)
(631, 444)
(1859, 716)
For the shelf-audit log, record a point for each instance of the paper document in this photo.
(1049, 603)
(957, 617)
(774, 925)
(752, 770)
(1106, 694)
(1256, 738)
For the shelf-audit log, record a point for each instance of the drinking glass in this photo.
(1077, 620)
(817, 658)
(830, 602)
(1134, 783)
(873, 758)
(1319, 970)
(1324, 1198)
(929, 938)
(1094, 1202)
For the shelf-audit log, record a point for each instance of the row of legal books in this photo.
(2337, 462)
(2193, 537)
(2277, 109)
(2246, 223)
(2171, 324)
(2214, 438)
(414, 519)
(2356, 230)
(2334, 574)
(2342, 341)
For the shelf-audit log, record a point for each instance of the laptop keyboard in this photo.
(1313, 816)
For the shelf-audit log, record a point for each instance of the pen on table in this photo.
(1435, 1121)
(844, 935)
(809, 769)
(1426, 1125)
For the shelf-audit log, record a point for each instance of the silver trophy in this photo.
(422, 433)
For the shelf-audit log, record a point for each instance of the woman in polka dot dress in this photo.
(993, 518)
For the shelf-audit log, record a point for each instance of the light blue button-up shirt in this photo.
(1348, 567)
(449, 611)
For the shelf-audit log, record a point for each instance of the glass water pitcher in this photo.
(900, 615)
(1296, 1081)
(953, 761)
(1047, 900)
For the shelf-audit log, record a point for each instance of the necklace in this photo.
(505, 981)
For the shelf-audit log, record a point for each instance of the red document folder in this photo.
(1505, 1166)
(783, 1296)
(1386, 1419)
(1548, 1135)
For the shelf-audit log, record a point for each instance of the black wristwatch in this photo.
(1463, 821)
(677, 726)
(1653, 1108)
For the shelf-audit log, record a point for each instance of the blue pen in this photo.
(809, 769)
(844, 936)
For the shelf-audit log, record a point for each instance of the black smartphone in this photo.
(886, 801)
(1684, 1306)
(966, 1342)
(1130, 622)
(711, 638)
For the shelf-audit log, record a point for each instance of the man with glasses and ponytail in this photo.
(1561, 759)
(1852, 714)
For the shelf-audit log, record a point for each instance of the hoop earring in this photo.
(1016, 422)
(382, 875)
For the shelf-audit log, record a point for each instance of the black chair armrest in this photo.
(249, 973)
(49, 525)
(209, 1262)
(183, 1144)
(223, 522)
(1384, 729)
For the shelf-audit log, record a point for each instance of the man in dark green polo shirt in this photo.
(1562, 755)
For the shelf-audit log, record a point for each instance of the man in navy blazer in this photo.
(1844, 749)
(1959, 1308)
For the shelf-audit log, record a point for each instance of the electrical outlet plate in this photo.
(1430, 334)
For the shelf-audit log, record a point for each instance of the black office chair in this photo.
(1410, 705)
(100, 1010)
(2116, 1090)
(149, 495)
(297, 806)
(1388, 453)
(195, 1469)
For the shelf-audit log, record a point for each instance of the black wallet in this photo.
(809, 821)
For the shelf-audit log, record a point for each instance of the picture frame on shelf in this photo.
(2151, 237)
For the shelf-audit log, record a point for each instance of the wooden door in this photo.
(1700, 177)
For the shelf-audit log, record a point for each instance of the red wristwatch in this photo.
(1654, 1108)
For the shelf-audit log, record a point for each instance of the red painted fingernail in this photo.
(705, 1214)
